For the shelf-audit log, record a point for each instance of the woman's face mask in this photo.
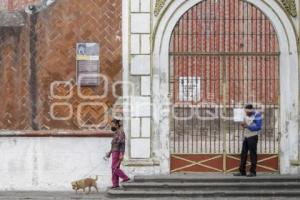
(113, 127)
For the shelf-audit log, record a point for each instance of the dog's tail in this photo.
(96, 178)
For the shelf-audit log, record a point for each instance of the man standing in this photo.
(252, 125)
(117, 151)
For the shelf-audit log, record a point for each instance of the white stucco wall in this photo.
(52, 163)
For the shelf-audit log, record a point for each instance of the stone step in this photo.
(199, 193)
(216, 178)
(210, 186)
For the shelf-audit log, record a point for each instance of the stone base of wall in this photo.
(51, 164)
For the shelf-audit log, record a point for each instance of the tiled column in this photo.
(140, 72)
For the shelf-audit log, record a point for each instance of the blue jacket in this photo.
(257, 122)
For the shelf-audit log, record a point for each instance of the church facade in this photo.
(176, 72)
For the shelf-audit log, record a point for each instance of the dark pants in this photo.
(249, 144)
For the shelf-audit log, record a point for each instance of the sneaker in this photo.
(115, 187)
(239, 174)
(126, 180)
(251, 175)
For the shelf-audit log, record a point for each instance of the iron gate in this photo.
(223, 55)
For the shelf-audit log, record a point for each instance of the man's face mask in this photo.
(249, 114)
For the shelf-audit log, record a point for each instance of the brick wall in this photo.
(43, 51)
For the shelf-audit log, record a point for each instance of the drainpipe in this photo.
(33, 11)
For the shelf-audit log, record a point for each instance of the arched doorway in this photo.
(223, 54)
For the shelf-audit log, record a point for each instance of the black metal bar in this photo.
(205, 71)
(223, 73)
(226, 54)
(236, 35)
(192, 70)
(229, 80)
(263, 40)
(259, 44)
(185, 107)
(178, 85)
(197, 68)
(210, 72)
(234, 75)
(174, 93)
(214, 67)
(188, 80)
(239, 61)
(181, 60)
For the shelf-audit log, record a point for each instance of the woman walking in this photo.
(117, 152)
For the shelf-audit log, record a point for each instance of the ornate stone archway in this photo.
(289, 80)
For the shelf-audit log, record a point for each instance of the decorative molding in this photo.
(53, 133)
(290, 7)
(295, 162)
(141, 162)
(158, 6)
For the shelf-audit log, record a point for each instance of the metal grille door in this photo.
(223, 55)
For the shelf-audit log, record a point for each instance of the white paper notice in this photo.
(189, 88)
(238, 115)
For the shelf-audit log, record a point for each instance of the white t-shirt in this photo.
(249, 120)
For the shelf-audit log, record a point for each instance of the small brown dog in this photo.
(84, 183)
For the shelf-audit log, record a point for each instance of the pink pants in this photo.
(116, 171)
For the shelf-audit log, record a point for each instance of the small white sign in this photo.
(189, 88)
(238, 115)
(88, 64)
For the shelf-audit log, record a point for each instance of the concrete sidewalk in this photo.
(43, 195)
